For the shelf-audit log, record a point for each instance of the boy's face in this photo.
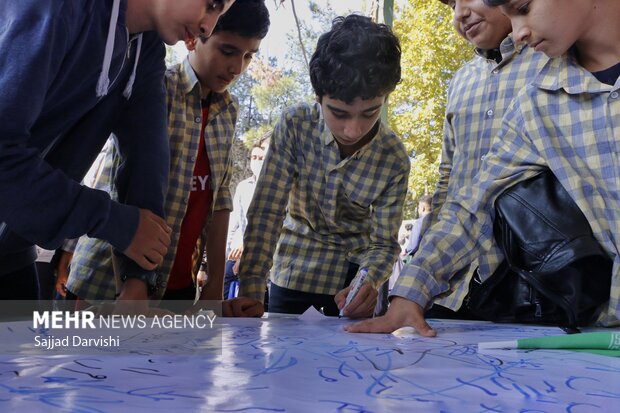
(220, 60)
(183, 19)
(257, 158)
(350, 123)
(549, 26)
(424, 209)
(484, 27)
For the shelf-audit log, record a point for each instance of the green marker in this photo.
(606, 343)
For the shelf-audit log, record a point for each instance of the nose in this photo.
(520, 32)
(236, 65)
(353, 129)
(461, 11)
(207, 24)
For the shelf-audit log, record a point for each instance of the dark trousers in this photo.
(21, 284)
(284, 300)
(46, 274)
(178, 300)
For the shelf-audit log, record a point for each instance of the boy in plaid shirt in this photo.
(565, 121)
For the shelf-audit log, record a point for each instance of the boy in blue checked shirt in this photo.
(566, 120)
(331, 191)
(201, 121)
(72, 72)
(478, 97)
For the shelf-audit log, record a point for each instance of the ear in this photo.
(190, 43)
(319, 98)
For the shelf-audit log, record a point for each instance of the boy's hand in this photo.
(133, 300)
(363, 305)
(150, 242)
(235, 252)
(201, 278)
(62, 272)
(242, 307)
(401, 313)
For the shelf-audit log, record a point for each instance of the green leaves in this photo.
(432, 53)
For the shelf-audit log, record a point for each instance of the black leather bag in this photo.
(555, 272)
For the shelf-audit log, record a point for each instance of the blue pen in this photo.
(355, 289)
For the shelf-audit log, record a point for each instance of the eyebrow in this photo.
(233, 47)
(371, 109)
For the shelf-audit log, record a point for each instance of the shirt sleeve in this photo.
(33, 41)
(465, 226)
(267, 210)
(445, 167)
(224, 200)
(383, 249)
(142, 177)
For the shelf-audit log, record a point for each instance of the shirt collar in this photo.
(190, 84)
(507, 48)
(566, 73)
(189, 80)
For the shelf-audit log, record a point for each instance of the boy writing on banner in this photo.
(330, 196)
(71, 73)
(201, 118)
(564, 121)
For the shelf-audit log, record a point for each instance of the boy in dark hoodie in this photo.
(73, 72)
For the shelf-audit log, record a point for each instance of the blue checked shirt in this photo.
(91, 276)
(566, 121)
(323, 211)
(478, 97)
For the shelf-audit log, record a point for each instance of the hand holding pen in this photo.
(359, 299)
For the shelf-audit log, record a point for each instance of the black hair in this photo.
(356, 58)
(493, 3)
(247, 18)
(426, 199)
(264, 137)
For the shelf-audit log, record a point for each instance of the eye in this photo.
(339, 115)
(214, 5)
(524, 9)
(369, 115)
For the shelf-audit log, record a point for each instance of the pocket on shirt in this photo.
(352, 209)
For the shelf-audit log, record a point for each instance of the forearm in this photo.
(216, 255)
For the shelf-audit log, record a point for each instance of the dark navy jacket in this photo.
(53, 124)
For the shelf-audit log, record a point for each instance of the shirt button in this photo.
(495, 71)
(490, 112)
(197, 119)
(192, 158)
(614, 95)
